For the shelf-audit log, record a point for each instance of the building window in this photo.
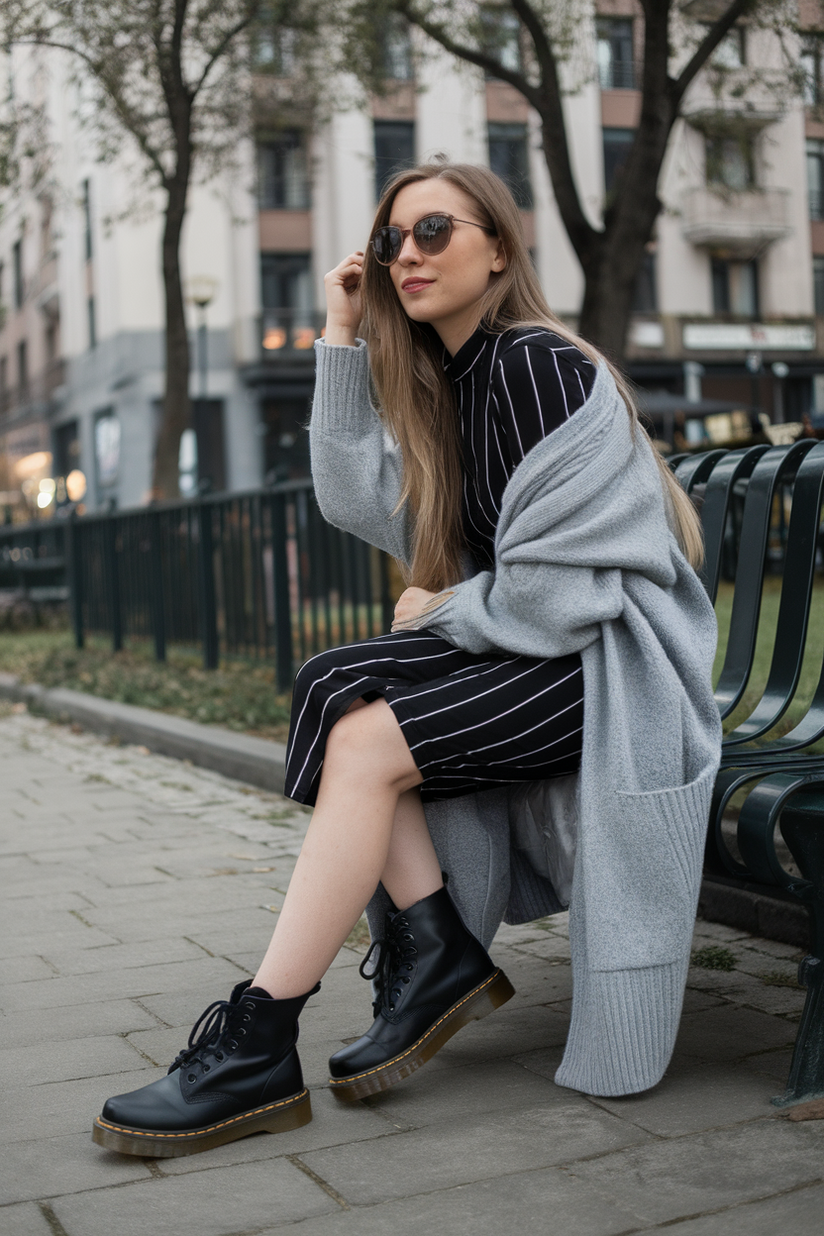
(17, 264)
(811, 66)
(818, 285)
(283, 172)
(815, 178)
(106, 450)
(66, 448)
(394, 150)
(735, 288)
(645, 296)
(92, 321)
(396, 49)
(731, 52)
(286, 281)
(50, 339)
(23, 369)
(617, 143)
(509, 159)
(731, 162)
(274, 49)
(87, 218)
(501, 38)
(616, 69)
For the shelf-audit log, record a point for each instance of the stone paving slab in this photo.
(137, 889)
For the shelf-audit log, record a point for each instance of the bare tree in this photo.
(174, 75)
(685, 33)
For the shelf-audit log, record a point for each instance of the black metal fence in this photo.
(258, 574)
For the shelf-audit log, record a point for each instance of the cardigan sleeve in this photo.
(356, 467)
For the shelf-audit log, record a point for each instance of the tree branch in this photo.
(489, 64)
(715, 34)
(128, 117)
(223, 46)
(545, 98)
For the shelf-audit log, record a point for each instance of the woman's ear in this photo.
(499, 260)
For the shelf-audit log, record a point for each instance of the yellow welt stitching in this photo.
(343, 1081)
(119, 1128)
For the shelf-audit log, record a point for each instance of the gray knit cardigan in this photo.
(585, 561)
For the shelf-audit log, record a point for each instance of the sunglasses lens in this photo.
(386, 244)
(433, 233)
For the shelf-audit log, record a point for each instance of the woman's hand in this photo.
(411, 604)
(344, 308)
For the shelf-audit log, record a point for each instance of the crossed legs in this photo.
(368, 826)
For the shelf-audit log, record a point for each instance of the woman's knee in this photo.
(370, 736)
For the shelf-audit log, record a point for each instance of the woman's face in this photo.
(443, 289)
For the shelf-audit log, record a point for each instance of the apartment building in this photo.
(728, 307)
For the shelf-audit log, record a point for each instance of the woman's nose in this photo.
(409, 251)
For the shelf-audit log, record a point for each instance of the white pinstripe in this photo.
(346, 687)
(490, 720)
(486, 720)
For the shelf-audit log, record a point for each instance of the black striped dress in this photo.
(472, 721)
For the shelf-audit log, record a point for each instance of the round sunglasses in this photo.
(431, 235)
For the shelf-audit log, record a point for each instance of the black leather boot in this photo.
(433, 977)
(240, 1074)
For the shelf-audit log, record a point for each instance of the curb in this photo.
(257, 761)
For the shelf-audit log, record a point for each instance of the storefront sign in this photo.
(742, 336)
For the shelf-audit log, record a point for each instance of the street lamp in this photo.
(200, 291)
(754, 362)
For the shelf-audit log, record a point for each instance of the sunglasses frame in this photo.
(410, 231)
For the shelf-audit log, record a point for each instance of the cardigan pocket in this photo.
(646, 862)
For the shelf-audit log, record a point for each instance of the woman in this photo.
(549, 664)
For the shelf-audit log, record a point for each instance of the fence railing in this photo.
(256, 574)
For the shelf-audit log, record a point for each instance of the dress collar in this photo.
(468, 355)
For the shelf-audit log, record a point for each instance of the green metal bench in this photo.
(780, 775)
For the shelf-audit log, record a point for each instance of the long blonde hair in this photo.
(416, 396)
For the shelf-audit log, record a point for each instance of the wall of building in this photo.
(265, 390)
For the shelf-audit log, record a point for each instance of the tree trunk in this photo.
(612, 258)
(176, 408)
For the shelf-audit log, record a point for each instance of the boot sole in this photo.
(279, 1117)
(479, 1002)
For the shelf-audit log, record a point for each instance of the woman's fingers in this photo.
(342, 299)
(347, 273)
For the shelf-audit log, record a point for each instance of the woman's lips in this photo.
(416, 285)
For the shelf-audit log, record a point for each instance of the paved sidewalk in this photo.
(138, 889)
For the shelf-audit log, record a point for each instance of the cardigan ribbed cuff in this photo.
(341, 386)
(622, 1041)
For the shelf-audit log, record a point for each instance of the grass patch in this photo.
(776, 978)
(713, 957)
(238, 695)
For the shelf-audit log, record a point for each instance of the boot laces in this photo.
(393, 965)
(213, 1025)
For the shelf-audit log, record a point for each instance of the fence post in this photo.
(158, 611)
(208, 601)
(283, 615)
(75, 578)
(113, 579)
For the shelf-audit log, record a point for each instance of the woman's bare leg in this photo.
(412, 870)
(365, 797)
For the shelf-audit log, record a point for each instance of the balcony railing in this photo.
(743, 222)
(38, 389)
(619, 75)
(289, 333)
